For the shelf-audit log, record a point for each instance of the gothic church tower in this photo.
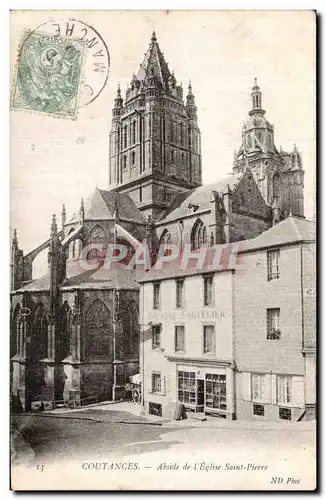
(279, 175)
(155, 150)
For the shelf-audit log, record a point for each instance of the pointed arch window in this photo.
(165, 242)
(15, 344)
(63, 347)
(39, 341)
(181, 133)
(125, 135)
(198, 235)
(133, 158)
(133, 132)
(98, 328)
(276, 185)
(97, 237)
(130, 323)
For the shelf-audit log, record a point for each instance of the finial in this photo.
(153, 39)
(54, 227)
(190, 87)
(63, 216)
(14, 238)
(255, 81)
(82, 203)
(119, 90)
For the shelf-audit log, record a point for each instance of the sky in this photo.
(55, 161)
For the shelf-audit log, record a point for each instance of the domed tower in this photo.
(273, 170)
(155, 138)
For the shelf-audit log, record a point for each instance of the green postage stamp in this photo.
(48, 74)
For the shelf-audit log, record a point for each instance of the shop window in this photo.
(215, 391)
(285, 413)
(156, 336)
(273, 270)
(273, 324)
(259, 410)
(187, 387)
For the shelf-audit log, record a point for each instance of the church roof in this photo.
(118, 276)
(154, 62)
(200, 197)
(290, 230)
(101, 205)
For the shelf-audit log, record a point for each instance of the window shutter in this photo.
(273, 389)
(150, 385)
(163, 382)
(298, 391)
(246, 386)
(267, 388)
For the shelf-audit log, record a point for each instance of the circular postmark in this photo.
(63, 66)
(96, 64)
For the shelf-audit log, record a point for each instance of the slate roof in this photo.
(118, 276)
(200, 196)
(175, 268)
(101, 205)
(154, 60)
(290, 230)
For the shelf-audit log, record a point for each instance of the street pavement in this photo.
(121, 432)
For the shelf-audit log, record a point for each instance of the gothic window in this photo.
(15, 332)
(133, 158)
(63, 348)
(97, 237)
(165, 241)
(39, 341)
(133, 132)
(172, 131)
(130, 323)
(98, 332)
(125, 133)
(124, 162)
(181, 133)
(78, 248)
(249, 141)
(276, 185)
(198, 235)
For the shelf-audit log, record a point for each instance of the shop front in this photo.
(207, 388)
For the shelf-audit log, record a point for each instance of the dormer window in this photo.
(192, 208)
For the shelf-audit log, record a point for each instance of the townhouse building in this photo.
(236, 340)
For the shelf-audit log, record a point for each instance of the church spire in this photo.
(256, 100)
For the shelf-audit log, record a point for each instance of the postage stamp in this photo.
(49, 74)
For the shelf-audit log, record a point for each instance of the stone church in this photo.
(75, 331)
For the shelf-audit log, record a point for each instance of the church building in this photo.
(75, 331)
